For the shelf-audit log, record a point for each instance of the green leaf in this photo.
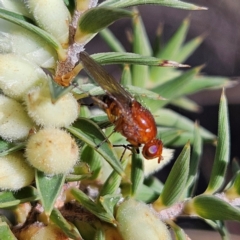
(68, 228)
(96, 19)
(146, 194)
(111, 40)
(20, 21)
(233, 188)
(91, 134)
(112, 183)
(235, 166)
(92, 207)
(182, 138)
(86, 230)
(178, 232)
(186, 104)
(58, 91)
(100, 234)
(211, 207)
(132, 58)
(7, 148)
(175, 87)
(108, 202)
(4, 145)
(101, 120)
(187, 49)
(137, 173)
(5, 232)
(15, 15)
(169, 135)
(143, 93)
(219, 226)
(126, 78)
(49, 188)
(195, 157)
(171, 50)
(176, 181)
(26, 194)
(154, 183)
(80, 171)
(168, 118)
(71, 5)
(221, 159)
(86, 90)
(141, 46)
(93, 159)
(169, 3)
(199, 83)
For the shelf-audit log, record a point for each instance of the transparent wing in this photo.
(105, 80)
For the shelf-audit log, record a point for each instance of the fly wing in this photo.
(105, 80)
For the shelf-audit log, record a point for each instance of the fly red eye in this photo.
(153, 149)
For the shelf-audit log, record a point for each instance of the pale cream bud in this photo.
(15, 124)
(137, 221)
(33, 47)
(53, 16)
(52, 151)
(18, 75)
(45, 113)
(15, 172)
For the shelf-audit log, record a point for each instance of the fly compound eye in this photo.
(153, 149)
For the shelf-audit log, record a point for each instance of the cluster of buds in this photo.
(28, 113)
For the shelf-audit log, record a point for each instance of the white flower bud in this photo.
(45, 113)
(136, 221)
(14, 121)
(52, 151)
(18, 75)
(15, 172)
(53, 16)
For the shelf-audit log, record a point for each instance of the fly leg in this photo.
(127, 147)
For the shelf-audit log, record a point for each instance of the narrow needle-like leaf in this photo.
(176, 181)
(221, 159)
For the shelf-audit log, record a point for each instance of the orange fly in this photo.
(129, 117)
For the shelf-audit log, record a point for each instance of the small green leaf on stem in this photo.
(176, 181)
(68, 228)
(211, 207)
(195, 158)
(96, 19)
(5, 232)
(221, 159)
(178, 232)
(89, 132)
(137, 173)
(49, 188)
(113, 182)
(111, 40)
(92, 207)
(141, 46)
(169, 3)
(26, 194)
